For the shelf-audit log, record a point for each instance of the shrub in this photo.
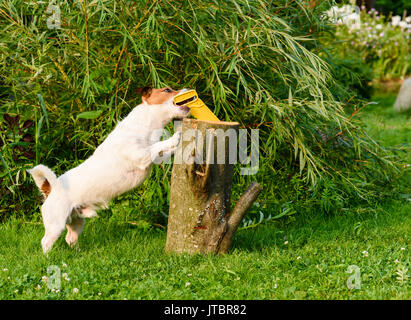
(393, 7)
(256, 62)
(353, 73)
(382, 43)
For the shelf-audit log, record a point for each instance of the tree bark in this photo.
(199, 218)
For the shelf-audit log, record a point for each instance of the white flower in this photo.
(345, 14)
(396, 20)
(378, 27)
(188, 284)
(44, 279)
(353, 21)
(75, 290)
(38, 287)
(64, 265)
(347, 8)
(285, 242)
(402, 249)
(16, 291)
(99, 293)
(408, 19)
(333, 13)
(365, 253)
(396, 261)
(402, 24)
(298, 258)
(5, 269)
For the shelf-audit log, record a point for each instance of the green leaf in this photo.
(43, 108)
(6, 166)
(89, 114)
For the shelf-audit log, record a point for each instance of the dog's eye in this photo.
(168, 90)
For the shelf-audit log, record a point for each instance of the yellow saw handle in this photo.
(197, 107)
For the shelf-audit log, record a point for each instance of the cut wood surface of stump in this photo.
(199, 218)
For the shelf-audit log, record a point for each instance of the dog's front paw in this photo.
(175, 139)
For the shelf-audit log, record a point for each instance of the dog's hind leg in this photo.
(74, 229)
(55, 213)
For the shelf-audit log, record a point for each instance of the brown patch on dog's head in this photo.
(156, 96)
(144, 91)
(45, 188)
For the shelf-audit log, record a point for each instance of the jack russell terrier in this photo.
(122, 162)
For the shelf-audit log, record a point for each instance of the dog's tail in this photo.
(44, 178)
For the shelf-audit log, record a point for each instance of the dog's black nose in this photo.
(185, 108)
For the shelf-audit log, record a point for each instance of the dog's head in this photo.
(162, 100)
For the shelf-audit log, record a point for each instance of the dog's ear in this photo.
(144, 91)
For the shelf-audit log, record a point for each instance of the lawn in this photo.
(303, 257)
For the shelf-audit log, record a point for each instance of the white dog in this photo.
(122, 162)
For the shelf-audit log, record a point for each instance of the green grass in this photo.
(301, 257)
(387, 125)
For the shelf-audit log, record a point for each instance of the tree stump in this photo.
(199, 219)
